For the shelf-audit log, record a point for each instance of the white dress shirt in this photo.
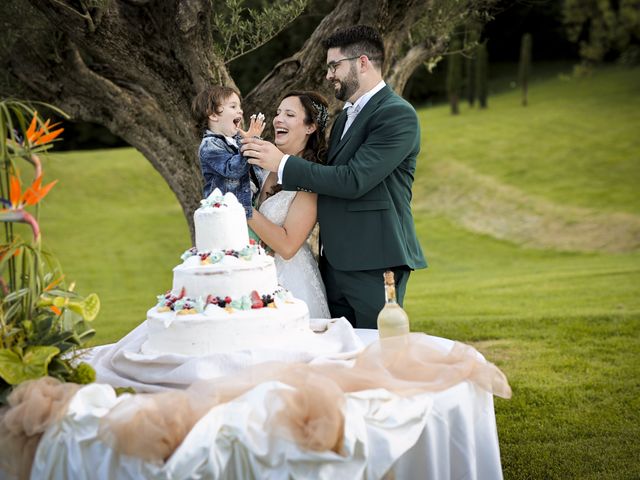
(353, 109)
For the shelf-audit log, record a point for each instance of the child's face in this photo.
(229, 119)
(291, 131)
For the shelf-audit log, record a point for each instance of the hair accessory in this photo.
(322, 115)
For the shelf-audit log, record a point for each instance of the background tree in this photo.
(472, 37)
(470, 78)
(134, 65)
(482, 74)
(454, 77)
(525, 66)
(602, 28)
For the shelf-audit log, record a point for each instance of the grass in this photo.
(576, 143)
(117, 230)
(563, 324)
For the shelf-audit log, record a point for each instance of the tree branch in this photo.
(400, 72)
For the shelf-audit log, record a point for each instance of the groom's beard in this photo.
(348, 86)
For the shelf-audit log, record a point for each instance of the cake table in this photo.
(444, 435)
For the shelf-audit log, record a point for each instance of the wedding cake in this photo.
(225, 294)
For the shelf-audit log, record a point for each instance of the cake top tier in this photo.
(220, 223)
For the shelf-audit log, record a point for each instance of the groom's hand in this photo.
(262, 153)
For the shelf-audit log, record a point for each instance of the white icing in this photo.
(233, 277)
(218, 331)
(223, 227)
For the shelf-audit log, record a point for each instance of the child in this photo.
(218, 113)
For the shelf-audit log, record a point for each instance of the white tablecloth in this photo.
(123, 365)
(446, 435)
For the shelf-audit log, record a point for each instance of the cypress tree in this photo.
(482, 74)
(454, 77)
(472, 35)
(470, 73)
(525, 66)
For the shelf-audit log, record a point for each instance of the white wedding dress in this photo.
(299, 274)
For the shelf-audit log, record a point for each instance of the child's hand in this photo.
(256, 127)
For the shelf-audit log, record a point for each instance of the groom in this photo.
(364, 191)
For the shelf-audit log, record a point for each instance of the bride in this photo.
(285, 219)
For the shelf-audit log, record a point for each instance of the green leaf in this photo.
(32, 365)
(57, 292)
(59, 302)
(43, 323)
(86, 335)
(91, 307)
(16, 295)
(12, 311)
(241, 30)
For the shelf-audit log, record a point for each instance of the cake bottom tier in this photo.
(218, 331)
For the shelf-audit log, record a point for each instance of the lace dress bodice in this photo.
(299, 274)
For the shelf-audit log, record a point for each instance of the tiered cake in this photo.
(225, 294)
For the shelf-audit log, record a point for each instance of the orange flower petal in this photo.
(56, 310)
(30, 197)
(14, 191)
(35, 193)
(32, 126)
(36, 183)
(53, 283)
(49, 136)
(36, 135)
(44, 190)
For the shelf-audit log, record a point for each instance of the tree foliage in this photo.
(240, 30)
(602, 27)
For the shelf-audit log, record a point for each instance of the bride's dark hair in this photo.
(316, 109)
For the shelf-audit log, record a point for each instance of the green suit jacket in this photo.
(364, 191)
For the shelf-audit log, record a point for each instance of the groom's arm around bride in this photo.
(364, 191)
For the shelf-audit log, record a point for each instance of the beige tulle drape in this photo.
(310, 412)
(33, 406)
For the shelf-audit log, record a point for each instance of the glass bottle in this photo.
(392, 319)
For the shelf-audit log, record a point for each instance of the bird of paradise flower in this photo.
(14, 207)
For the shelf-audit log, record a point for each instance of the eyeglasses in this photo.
(333, 66)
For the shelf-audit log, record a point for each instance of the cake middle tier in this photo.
(232, 277)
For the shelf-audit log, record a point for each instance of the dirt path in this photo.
(482, 204)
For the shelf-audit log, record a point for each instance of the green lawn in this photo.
(562, 323)
(117, 230)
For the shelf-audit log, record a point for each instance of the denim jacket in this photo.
(224, 167)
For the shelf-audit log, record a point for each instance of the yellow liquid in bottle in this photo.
(392, 321)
